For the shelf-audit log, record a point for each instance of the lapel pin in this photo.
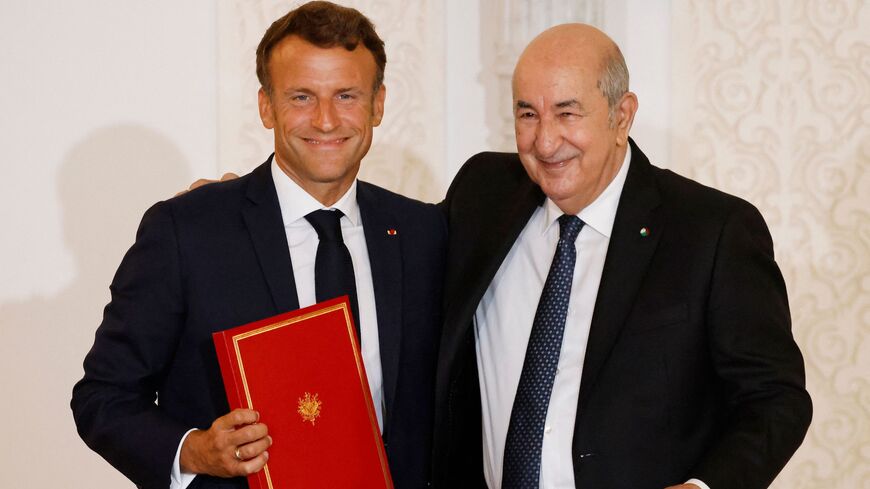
(644, 231)
(392, 232)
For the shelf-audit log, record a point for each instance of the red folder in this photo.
(302, 371)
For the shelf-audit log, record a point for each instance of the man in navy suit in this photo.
(608, 324)
(151, 401)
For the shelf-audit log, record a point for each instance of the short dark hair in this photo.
(325, 25)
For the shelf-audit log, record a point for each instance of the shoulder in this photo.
(488, 165)
(205, 212)
(219, 201)
(217, 195)
(699, 200)
(699, 213)
(406, 210)
(488, 176)
(391, 201)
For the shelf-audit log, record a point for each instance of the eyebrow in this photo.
(569, 103)
(522, 104)
(293, 90)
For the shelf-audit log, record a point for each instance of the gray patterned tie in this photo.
(522, 452)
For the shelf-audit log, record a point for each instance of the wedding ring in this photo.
(237, 454)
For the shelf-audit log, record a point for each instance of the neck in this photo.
(327, 193)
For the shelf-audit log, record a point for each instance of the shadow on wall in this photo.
(105, 184)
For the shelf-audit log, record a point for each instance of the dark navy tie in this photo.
(522, 452)
(333, 267)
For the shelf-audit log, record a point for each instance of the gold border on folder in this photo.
(373, 421)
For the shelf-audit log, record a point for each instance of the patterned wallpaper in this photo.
(407, 153)
(774, 106)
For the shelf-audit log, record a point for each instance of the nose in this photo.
(547, 138)
(325, 119)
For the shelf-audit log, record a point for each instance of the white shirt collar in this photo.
(600, 214)
(296, 203)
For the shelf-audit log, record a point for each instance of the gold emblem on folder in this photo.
(309, 407)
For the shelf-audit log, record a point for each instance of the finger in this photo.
(237, 417)
(247, 434)
(229, 176)
(253, 465)
(254, 449)
(199, 183)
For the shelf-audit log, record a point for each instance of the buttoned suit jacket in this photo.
(217, 257)
(691, 369)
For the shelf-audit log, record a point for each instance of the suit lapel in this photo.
(262, 215)
(385, 257)
(628, 257)
(484, 260)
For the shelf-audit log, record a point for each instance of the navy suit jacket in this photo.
(690, 369)
(215, 258)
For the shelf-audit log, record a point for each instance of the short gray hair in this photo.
(614, 80)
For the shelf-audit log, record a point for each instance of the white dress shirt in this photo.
(302, 240)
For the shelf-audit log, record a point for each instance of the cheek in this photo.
(356, 117)
(525, 139)
(581, 138)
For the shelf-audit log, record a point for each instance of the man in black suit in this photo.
(151, 401)
(608, 324)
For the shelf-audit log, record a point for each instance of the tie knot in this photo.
(569, 227)
(327, 224)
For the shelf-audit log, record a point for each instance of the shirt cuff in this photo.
(698, 483)
(179, 479)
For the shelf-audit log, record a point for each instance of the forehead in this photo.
(551, 79)
(295, 57)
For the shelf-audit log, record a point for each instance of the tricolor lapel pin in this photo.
(392, 232)
(644, 231)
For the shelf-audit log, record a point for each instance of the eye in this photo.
(300, 98)
(526, 114)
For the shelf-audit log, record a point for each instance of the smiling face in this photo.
(565, 137)
(322, 110)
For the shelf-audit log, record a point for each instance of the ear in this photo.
(264, 101)
(378, 108)
(624, 117)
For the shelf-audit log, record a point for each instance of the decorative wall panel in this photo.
(407, 154)
(773, 105)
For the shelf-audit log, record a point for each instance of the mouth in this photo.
(553, 164)
(325, 143)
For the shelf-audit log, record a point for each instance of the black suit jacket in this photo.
(690, 370)
(216, 258)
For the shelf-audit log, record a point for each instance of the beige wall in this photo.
(774, 106)
(127, 101)
(104, 109)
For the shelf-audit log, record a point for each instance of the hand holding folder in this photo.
(234, 445)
